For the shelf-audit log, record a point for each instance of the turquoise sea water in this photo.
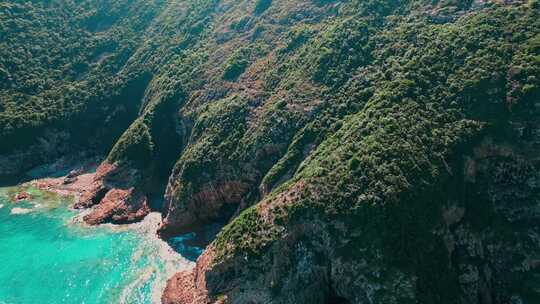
(46, 258)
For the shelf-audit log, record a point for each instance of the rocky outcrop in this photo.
(189, 287)
(209, 204)
(23, 196)
(96, 190)
(180, 289)
(493, 237)
(112, 193)
(119, 207)
(114, 196)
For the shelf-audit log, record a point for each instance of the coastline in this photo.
(172, 261)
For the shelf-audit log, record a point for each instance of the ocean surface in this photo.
(47, 256)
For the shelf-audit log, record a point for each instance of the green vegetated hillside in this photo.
(74, 74)
(361, 151)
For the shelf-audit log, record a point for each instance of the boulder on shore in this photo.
(23, 196)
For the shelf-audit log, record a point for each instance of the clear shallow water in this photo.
(46, 258)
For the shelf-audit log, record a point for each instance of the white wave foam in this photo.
(17, 211)
(162, 261)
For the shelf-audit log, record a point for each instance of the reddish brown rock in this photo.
(23, 196)
(205, 206)
(180, 289)
(189, 287)
(93, 191)
(119, 207)
(112, 191)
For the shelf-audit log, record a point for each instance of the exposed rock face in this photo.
(119, 207)
(207, 205)
(114, 196)
(113, 193)
(93, 193)
(494, 244)
(189, 287)
(180, 289)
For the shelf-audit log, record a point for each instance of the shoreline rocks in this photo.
(119, 207)
(206, 206)
(22, 196)
(189, 287)
(108, 194)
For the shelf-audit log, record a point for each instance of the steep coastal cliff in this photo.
(359, 151)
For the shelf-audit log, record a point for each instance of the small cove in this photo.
(50, 257)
